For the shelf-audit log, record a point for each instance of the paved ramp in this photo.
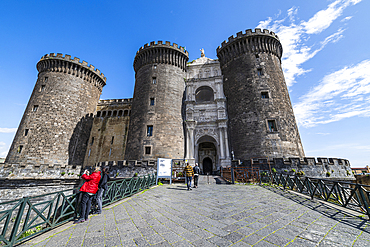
(215, 215)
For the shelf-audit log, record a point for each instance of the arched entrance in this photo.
(207, 166)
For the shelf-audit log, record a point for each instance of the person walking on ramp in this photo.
(188, 175)
(196, 171)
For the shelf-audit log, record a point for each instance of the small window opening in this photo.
(42, 88)
(149, 131)
(272, 125)
(104, 114)
(92, 141)
(114, 113)
(264, 95)
(259, 72)
(19, 150)
(129, 113)
(109, 113)
(155, 66)
(111, 142)
(89, 152)
(26, 132)
(98, 114)
(120, 113)
(125, 113)
(154, 80)
(257, 56)
(46, 79)
(35, 107)
(148, 150)
(151, 101)
(110, 152)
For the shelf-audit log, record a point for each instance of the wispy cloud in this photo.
(294, 36)
(341, 94)
(8, 130)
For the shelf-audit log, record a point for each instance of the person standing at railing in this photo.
(196, 171)
(188, 171)
(88, 189)
(103, 187)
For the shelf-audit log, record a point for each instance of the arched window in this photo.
(114, 114)
(98, 113)
(120, 113)
(204, 94)
(125, 113)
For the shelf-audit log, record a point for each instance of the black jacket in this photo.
(103, 181)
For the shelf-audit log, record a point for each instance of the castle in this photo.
(209, 111)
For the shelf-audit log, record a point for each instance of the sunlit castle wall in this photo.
(156, 122)
(261, 118)
(56, 124)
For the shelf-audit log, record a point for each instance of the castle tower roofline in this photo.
(58, 63)
(249, 42)
(161, 53)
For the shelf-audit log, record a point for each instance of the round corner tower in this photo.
(261, 118)
(56, 124)
(156, 122)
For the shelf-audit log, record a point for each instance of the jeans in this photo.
(85, 205)
(188, 182)
(99, 200)
(196, 180)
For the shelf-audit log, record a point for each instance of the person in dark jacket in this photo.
(103, 187)
(196, 171)
(88, 189)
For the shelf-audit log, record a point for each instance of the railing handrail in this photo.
(23, 216)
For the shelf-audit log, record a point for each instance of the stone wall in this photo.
(109, 132)
(157, 104)
(261, 118)
(56, 123)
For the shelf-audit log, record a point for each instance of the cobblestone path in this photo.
(214, 215)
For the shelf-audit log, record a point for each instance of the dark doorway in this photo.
(207, 166)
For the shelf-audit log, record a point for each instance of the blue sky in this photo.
(326, 57)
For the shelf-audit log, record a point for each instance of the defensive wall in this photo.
(329, 168)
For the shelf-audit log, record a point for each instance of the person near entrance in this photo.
(196, 171)
(188, 175)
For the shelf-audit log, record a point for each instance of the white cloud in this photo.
(346, 18)
(8, 130)
(342, 91)
(294, 36)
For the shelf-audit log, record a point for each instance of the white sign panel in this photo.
(164, 168)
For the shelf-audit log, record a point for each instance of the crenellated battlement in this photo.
(161, 53)
(115, 101)
(58, 63)
(258, 41)
(161, 44)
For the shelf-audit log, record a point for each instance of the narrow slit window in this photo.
(151, 101)
(110, 152)
(148, 150)
(154, 80)
(89, 152)
(42, 88)
(111, 142)
(19, 150)
(35, 107)
(272, 125)
(149, 131)
(259, 72)
(26, 132)
(92, 141)
(46, 79)
(264, 95)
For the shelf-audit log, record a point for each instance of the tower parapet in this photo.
(58, 63)
(249, 42)
(163, 53)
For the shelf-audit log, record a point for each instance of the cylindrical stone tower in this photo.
(56, 124)
(156, 122)
(261, 118)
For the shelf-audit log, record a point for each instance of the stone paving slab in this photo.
(214, 215)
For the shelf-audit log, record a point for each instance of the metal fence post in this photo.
(232, 175)
(13, 236)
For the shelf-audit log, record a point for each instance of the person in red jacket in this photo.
(88, 189)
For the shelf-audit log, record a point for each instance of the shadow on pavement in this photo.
(332, 212)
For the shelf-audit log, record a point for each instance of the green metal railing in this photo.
(346, 194)
(24, 218)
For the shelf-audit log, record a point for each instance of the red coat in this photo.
(92, 182)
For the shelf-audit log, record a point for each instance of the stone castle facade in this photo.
(209, 111)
